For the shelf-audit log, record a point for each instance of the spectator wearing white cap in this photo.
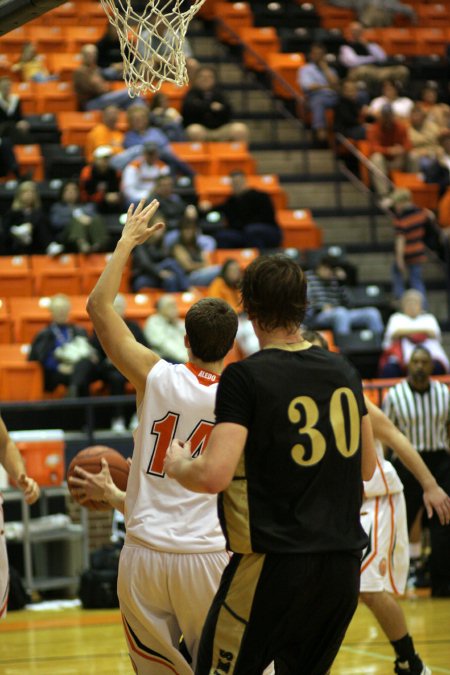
(100, 183)
(140, 175)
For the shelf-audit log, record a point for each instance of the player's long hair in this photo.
(211, 326)
(274, 292)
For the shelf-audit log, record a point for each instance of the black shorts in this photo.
(293, 609)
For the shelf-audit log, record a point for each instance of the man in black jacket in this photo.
(207, 113)
(49, 347)
(250, 218)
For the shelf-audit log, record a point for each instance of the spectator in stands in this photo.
(92, 87)
(389, 147)
(165, 332)
(166, 118)
(350, 113)
(319, 82)
(63, 351)
(12, 124)
(366, 61)
(423, 134)
(25, 226)
(191, 255)
(31, 65)
(438, 170)
(410, 224)
(437, 111)
(141, 131)
(154, 267)
(161, 43)
(328, 301)
(105, 132)
(407, 328)
(105, 371)
(391, 95)
(100, 183)
(75, 225)
(171, 205)
(140, 175)
(377, 13)
(227, 284)
(207, 114)
(250, 217)
(109, 57)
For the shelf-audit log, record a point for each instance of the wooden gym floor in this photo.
(81, 642)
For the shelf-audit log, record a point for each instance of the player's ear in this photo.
(187, 344)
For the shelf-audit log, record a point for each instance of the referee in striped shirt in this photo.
(420, 408)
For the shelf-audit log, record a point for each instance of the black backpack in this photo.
(98, 585)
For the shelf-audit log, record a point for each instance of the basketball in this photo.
(89, 459)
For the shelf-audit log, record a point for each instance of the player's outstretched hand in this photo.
(136, 229)
(176, 454)
(87, 486)
(437, 500)
(30, 488)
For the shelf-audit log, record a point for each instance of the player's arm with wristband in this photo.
(434, 497)
(130, 357)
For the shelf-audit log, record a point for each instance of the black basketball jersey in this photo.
(298, 485)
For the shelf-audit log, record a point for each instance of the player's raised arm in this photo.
(434, 497)
(132, 359)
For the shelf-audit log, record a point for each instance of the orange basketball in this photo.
(89, 459)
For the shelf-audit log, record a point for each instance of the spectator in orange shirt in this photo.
(226, 285)
(389, 147)
(105, 133)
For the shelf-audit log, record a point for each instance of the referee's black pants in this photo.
(438, 462)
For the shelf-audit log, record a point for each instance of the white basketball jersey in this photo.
(178, 403)
(385, 480)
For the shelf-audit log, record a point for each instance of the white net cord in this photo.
(152, 36)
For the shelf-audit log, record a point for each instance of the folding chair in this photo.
(244, 256)
(27, 93)
(236, 15)
(21, 381)
(48, 38)
(29, 316)
(400, 41)
(5, 326)
(139, 306)
(91, 267)
(262, 41)
(55, 97)
(425, 195)
(13, 41)
(286, 66)
(78, 36)
(29, 158)
(75, 126)
(63, 65)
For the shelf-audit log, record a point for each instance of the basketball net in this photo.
(152, 35)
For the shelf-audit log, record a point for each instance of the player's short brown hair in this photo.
(211, 326)
(274, 292)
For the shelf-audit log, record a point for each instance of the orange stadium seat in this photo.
(47, 38)
(262, 41)
(29, 316)
(216, 189)
(174, 93)
(75, 126)
(92, 265)
(21, 381)
(15, 351)
(244, 256)
(139, 306)
(227, 157)
(5, 325)
(56, 275)
(15, 276)
(425, 195)
(433, 40)
(64, 15)
(27, 93)
(236, 15)
(195, 154)
(78, 313)
(286, 66)
(91, 14)
(13, 41)
(29, 158)
(434, 15)
(78, 36)
(186, 300)
(55, 97)
(6, 61)
(334, 17)
(299, 229)
(400, 41)
(63, 64)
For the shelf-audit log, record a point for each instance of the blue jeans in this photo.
(166, 155)
(414, 278)
(318, 102)
(255, 235)
(341, 320)
(177, 282)
(204, 276)
(119, 98)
